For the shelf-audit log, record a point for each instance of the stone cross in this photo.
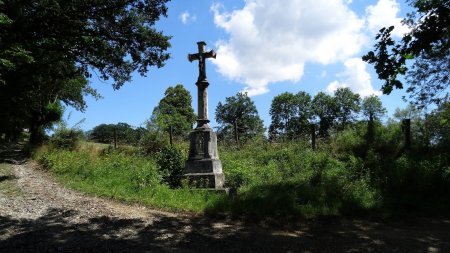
(203, 167)
(201, 57)
(202, 83)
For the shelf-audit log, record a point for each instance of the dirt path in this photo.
(46, 217)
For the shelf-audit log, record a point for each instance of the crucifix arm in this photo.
(210, 54)
(193, 57)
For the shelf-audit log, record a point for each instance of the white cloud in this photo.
(186, 17)
(270, 41)
(355, 77)
(385, 14)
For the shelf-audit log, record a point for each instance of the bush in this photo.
(170, 162)
(66, 138)
(152, 142)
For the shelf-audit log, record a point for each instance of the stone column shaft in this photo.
(202, 107)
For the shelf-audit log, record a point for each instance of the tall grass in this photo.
(121, 176)
(344, 176)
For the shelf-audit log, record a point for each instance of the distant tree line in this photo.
(293, 114)
(121, 133)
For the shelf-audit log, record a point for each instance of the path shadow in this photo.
(52, 232)
(7, 178)
(12, 154)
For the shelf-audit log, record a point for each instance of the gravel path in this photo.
(46, 217)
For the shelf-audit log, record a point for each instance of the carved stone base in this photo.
(203, 168)
(205, 180)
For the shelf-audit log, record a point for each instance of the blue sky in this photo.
(264, 47)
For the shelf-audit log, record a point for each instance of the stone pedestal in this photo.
(203, 168)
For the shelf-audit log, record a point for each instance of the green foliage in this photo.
(66, 138)
(290, 180)
(285, 180)
(121, 176)
(174, 113)
(170, 163)
(238, 118)
(290, 115)
(324, 109)
(347, 106)
(372, 108)
(124, 133)
(427, 45)
(48, 49)
(152, 141)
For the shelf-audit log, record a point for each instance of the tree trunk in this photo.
(171, 135)
(407, 132)
(313, 136)
(36, 137)
(236, 136)
(370, 130)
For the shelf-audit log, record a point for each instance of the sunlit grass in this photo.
(8, 182)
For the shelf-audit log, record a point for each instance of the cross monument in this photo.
(203, 168)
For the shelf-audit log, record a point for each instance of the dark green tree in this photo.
(290, 114)
(347, 106)
(103, 133)
(238, 117)
(438, 123)
(427, 45)
(174, 113)
(324, 109)
(373, 109)
(123, 132)
(49, 49)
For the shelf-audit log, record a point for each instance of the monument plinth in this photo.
(203, 168)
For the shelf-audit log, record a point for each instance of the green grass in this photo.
(124, 177)
(8, 182)
(274, 180)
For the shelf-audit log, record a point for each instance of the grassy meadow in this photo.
(286, 180)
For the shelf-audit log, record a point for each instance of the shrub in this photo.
(65, 138)
(170, 162)
(152, 142)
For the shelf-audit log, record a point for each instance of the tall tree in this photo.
(427, 45)
(324, 109)
(347, 105)
(239, 117)
(49, 49)
(373, 109)
(438, 123)
(290, 114)
(283, 110)
(174, 113)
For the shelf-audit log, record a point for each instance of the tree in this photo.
(240, 115)
(49, 49)
(290, 114)
(123, 132)
(373, 109)
(438, 123)
(347, 105)
(174, 113)
(427, 45)
(283, 111)
(324, 108)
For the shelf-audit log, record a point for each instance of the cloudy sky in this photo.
(264, 47)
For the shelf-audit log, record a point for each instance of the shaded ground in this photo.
(45, 217)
